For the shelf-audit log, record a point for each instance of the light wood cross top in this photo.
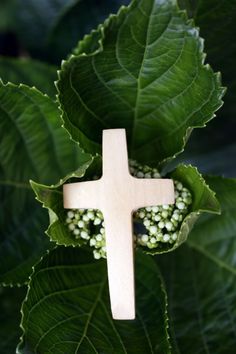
(117, 194)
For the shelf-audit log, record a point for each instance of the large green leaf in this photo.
(29, 72)
(147, 76)
(67, 308)
(32, 145)
(50, 29)
(10, 303)
(201, 280)
(52, 198)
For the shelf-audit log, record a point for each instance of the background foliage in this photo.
(187, 297)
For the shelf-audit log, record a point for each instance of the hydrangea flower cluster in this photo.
(87, 226)
(154, 226)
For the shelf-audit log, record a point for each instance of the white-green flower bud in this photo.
(147, 175)
(166, 238)
(96, 255)
(156, 175)
(148, 208)
(71, 227)
(153, 230)
(157, 218)
(161, 224)
(155, 209)
(76, 232)
(85, 217)
(175, 216)
(168, 225)
(174, 236)
(179, 186)
(144, 238)
(180, 205)
(84, 235)
(70, 214)
(150, 245)
(92, 242)
(142, 215)
(97, 221)
(80, 224)
(146, 222)
(164, 214)
(140, 174)
(99, 237)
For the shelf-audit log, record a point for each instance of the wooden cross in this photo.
(117, 194)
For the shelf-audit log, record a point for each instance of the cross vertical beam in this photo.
(118, 224)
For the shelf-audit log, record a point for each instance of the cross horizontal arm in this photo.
(150, 192)
(82, 195)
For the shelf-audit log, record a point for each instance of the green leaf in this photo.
(29, 72)
(50, 29)
(147, 76)
(32, 145)
(67, 308)
(10, 303)
(201, 280)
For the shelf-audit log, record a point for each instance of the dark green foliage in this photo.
(144, 70)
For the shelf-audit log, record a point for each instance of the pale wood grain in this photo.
(117, 194)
